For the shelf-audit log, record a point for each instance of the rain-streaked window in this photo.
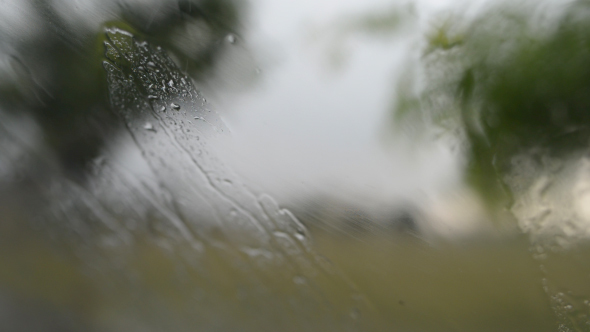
(221, 165)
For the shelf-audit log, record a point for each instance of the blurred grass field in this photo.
(406, 283)
(490, 286)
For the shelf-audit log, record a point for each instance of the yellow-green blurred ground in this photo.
(408, 285)
(490, 286)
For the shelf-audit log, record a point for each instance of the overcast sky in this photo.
(309, 125)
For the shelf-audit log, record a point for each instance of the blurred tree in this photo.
(54, 73)
(508, 84)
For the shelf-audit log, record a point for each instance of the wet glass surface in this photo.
(219, 165)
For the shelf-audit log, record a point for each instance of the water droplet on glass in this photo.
(298, 280)
(149, 126)
(175, 106)
(230, 38)
(300, 236)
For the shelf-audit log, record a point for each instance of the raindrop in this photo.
(149, 126)
(300, 236)
(152, 97)
(175, 106)
(163, 109)
(171, 83)
(230, 38)
(151, 64)
(298, 280)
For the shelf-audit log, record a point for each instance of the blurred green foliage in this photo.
(509, 81)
